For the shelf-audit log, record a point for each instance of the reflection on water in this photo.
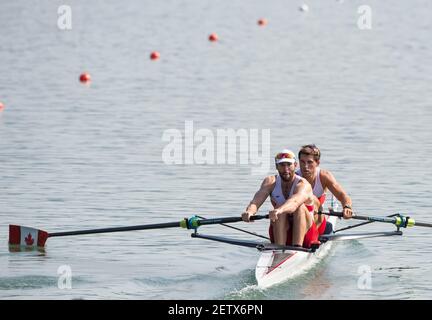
(18, 248)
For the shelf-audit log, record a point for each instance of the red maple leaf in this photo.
(29, 240)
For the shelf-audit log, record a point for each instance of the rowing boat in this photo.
(276, 266)
(276, 263)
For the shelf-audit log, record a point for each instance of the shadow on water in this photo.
(27, 282)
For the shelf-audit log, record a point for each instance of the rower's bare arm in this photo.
(337, 190)
(302, 193)
(259, 198)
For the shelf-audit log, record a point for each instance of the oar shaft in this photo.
(239, 229)
(116, 229)
(400, 221)
(360, 224)
(423, 224)
(375, 219)
(183, 224)
(228, 220)
(358, 217)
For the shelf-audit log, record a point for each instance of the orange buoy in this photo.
(262, 22)
(85, 77)
(155, 55)
(213, 37)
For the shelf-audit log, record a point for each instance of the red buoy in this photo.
(85, 77)
(1, 107)
(262, 22)
(213, 37)
(155, 55)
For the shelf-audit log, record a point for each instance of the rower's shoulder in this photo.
(326, 175)
(301, 179)
(268, 184)
(303, 182)
(269, 179)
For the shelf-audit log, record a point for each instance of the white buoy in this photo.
(304, 8)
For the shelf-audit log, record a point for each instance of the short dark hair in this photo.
(310, 149)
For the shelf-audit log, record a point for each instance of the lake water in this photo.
(76, 156)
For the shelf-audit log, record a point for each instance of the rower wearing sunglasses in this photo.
(321, 180)
(292, 219)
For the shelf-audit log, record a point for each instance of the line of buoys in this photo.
(213, 37)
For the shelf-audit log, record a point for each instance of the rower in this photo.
(321, 180)
(292, 223)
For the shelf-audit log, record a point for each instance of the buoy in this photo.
(155, 55)
(262, 22)
(213, 37)
(304, 8)
(1, 107)
(85, 77)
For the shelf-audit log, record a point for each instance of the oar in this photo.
(241, 230)
(31, 237)
(362, 224)
(399, 221)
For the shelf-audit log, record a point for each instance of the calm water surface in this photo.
(75, 156)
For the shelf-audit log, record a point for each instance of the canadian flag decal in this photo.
(25, 236)
(29, 240)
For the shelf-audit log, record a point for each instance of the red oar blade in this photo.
(28, 237)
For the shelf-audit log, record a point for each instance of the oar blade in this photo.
(27, 237)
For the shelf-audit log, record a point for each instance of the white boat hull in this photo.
(276, 266)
